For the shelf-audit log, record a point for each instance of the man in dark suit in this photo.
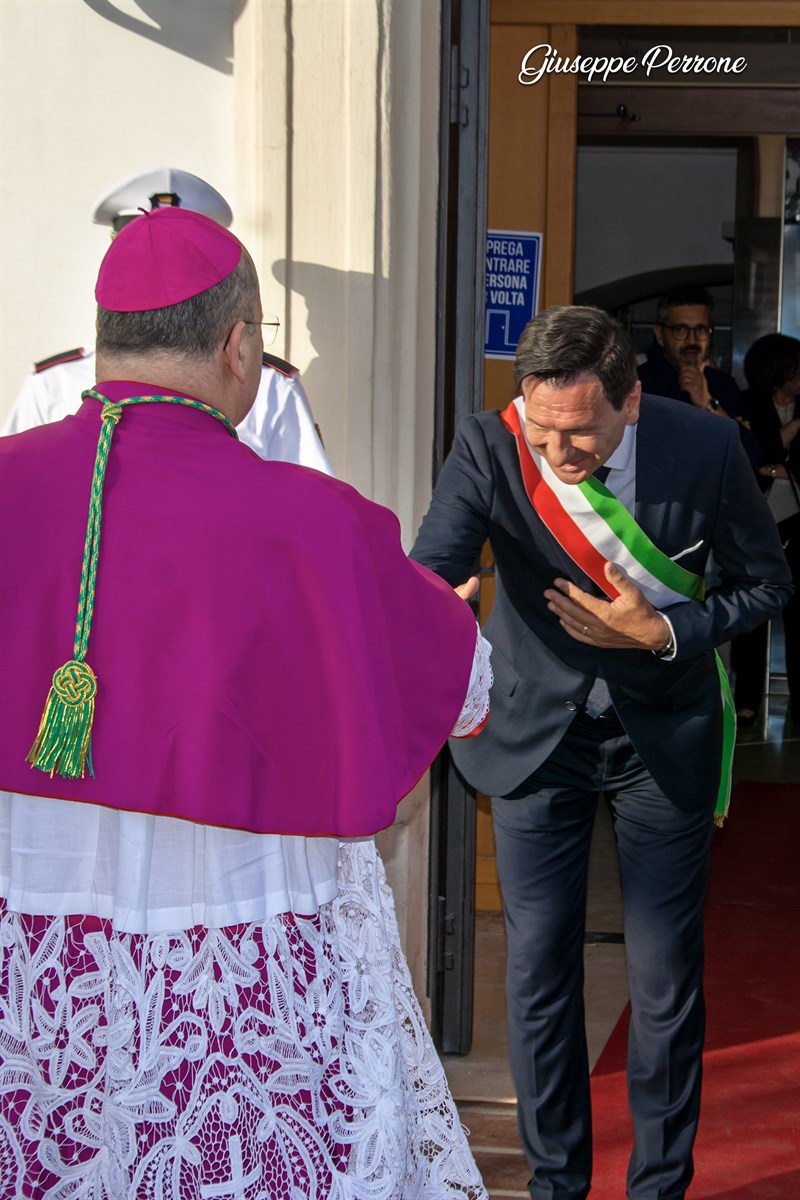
(678, 365)
(605, 681)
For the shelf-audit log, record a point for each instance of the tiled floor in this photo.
(481, 1081)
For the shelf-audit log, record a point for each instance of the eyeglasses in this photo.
(681, 332)
(269, 326)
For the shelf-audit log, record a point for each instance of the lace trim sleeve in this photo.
(476, 705)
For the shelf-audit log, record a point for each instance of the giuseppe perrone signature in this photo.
(544, 60)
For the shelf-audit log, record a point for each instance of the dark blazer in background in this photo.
(765, 425)
(658, 377)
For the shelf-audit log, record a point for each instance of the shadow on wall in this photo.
(198, 29)
(339, 303)
(345, 309)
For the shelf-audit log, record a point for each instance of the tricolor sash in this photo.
(593, 528)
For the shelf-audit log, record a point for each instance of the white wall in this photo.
(85, 102)
(642, 209)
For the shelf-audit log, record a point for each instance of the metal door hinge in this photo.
(445, 928)
(459, 79)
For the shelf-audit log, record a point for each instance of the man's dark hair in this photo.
(562, 343)
(771, 361)
(194, 327)
(678, 296)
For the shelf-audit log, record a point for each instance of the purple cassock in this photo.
(267, 657)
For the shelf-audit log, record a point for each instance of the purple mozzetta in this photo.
(267, 657)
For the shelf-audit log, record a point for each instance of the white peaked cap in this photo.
(126, 198)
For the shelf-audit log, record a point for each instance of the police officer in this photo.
(280, 424)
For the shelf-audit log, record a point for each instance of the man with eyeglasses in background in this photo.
(678, 366)
(280, 425)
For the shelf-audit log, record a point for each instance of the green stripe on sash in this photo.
(728, 743)
(633, 537)
(684, 583)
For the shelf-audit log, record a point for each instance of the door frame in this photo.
(461, 261)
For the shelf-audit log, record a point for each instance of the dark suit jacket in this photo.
(658, 377)
(694, 488)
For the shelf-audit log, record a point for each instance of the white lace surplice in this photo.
(171, 1028)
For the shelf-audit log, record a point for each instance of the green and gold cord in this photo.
(63, 743)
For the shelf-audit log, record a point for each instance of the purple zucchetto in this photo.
(164, 257)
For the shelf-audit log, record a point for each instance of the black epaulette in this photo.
(279, 364)
(55, 360)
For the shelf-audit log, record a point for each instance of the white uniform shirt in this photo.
(279, 426)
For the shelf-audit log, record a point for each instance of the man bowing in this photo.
(606, 680)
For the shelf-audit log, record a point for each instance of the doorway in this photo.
(537, 141)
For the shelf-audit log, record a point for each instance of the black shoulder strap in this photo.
(55, 360)
(279, 364)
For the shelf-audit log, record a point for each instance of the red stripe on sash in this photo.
(562, 526)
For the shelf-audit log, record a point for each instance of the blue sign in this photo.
(512, 288)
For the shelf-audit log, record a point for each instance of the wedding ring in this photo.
(585, 630)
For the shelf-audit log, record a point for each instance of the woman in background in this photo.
(772, 408)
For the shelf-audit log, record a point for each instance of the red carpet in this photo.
(748, 1146)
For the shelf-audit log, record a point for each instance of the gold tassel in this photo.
(64, 740)
(63, 743)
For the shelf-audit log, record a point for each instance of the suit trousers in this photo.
(543, 833)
